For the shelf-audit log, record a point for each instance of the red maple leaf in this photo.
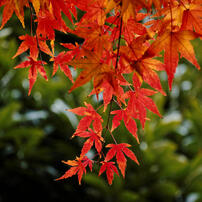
(73, 49)
(110, 89)
(127, 117)
(139, 101)
(11, 6)
(110, 170)
(91, 116)
(93, 138)
(61, 60)
(35, 67)
(119, 150)
(47, 24)
(78, 167)
(65, 6)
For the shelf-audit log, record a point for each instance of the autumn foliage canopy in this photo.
(124, 44)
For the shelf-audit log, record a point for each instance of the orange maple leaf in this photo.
(95, 11)
(146, 68)
(134, 49)
(192, 17)
(135, 57)
(93, 67)
(96, 37)
(173, 43)
(78, 167)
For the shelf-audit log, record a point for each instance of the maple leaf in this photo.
(109, 90)
(127, 117)
(78, 167)
(183, 15)
(145, 68)
(110, 84)
(34, 44)
(134, 56)
(119, 150)
(192, 17)
(129, 29)
(139, 101)
(134, 49)
(117, 38)
(173, 17)
(11, 6)
(96, 37)
(35, 67)
(172, 43)
(73, 49)
(61, 60)
(95, 11)
(47, 24)
(110, 170)
(94, 138)
(93, 67)
(90, 116)
(65, 6)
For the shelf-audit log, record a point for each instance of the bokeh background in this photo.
(35, 136)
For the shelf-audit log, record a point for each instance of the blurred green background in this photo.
(35, 136)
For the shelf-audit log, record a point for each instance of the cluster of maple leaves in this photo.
(121, 37)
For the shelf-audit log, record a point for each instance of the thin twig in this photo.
(116, 65)
(112, 135)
